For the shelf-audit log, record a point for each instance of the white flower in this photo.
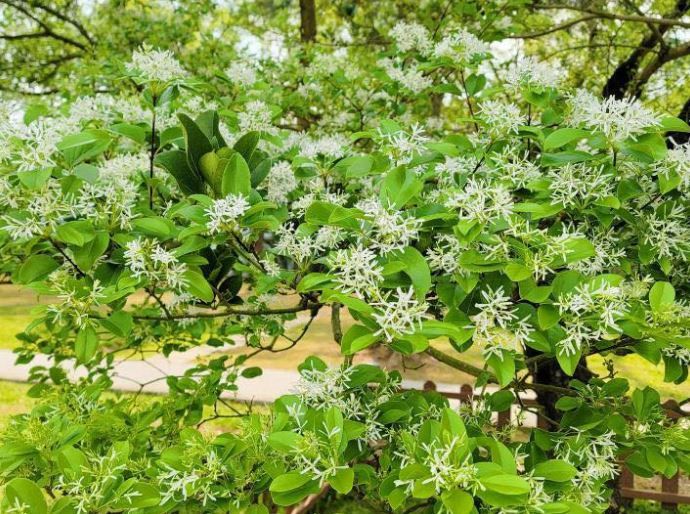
(223, 214)
(481, 201)
(281, 181)
(411, 36)
(445, 254)
(146, 258)
(296, 245)
(409, 77)
(502, 118)
(242, 73)
(388, 229)
(616, 119)
(577, 184)
(497, 326)
(529, 72)
(257, 116)
(332, 146)
(461, 46)
(357, 270)
(155, 65)
(399, 315)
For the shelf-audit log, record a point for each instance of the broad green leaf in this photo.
(24, 492)
(198, 286)
(236, 178)
(555, 470)
(662, 295)
(36, 267)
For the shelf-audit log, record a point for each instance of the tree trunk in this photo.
(550, 373)
(307, 12)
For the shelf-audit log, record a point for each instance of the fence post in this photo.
(670, 485)
(503, 418)
(429, 386)
(466, 393)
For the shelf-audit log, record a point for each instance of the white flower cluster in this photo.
(440, 458)
(409, 76)
(502, 118)
(388, 230)
(529, 72)
(224, 214)
(460, 45)
(497, 326)
(281, 181)
(242, 73)
(400, 314)
(590, 312)
(411, 36)
(595, 459)
(445, 254)
(578, 184)
(256, 116)
(616, 119)
(154, 65)
(481, 201)
(357, 270)
(147, 259)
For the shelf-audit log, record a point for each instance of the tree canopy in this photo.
(178, 176)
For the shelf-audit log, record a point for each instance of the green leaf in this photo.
(548, 316)
(517, 272)
(119, 323)
(175, 162)
(504, 368)
(156, 226)
(671, 123)
(133, 132)
(555, 470)
(417, 269)
(561, 137)
(197, 286)
(457, 501)
(85, 145)
(290, 488)
(286, 441)
(343, 480)
(86, 345)
(87, 255)
(356, 339)
(399, 187)
(236, 177)
(36, 267)
(246, 145)
(133, 494)
(568, 362)
(21, 491)
(75, 233)
(34, 179)
(510, 485)
(314, 281)
(196, 142)
(662, 295)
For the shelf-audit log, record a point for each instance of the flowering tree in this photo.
(539, 229)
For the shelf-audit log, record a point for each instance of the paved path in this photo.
(129, 374)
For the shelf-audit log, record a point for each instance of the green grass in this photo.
(13, 401)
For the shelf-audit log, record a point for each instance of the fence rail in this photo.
(669, 496)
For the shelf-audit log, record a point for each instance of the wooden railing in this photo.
(669, 495)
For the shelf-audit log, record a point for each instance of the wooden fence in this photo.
(669, 495)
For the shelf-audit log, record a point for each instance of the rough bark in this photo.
(307, 11)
